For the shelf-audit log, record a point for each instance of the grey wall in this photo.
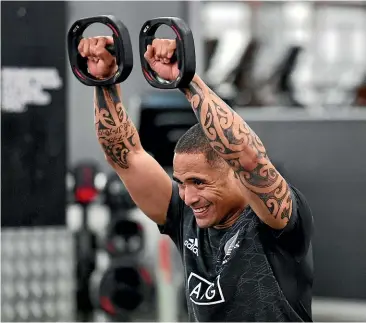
(82, 141)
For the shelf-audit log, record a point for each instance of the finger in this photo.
(170, 53)
(149, 54)
(171, 48)
(108, 39)
(156, 44)
(99, 51)
(164, 49)
(101, 42)
(92, 46)
(93, 59)
(86, 47)
(158, 50)
(97, 44)
(81, 47)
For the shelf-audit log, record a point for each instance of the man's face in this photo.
(211, 191)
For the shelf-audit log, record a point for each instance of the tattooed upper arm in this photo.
(270, 194)
(232, 138)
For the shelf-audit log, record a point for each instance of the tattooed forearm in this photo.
(115, 131)
(232, 138)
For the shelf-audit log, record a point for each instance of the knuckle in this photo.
(99, 52)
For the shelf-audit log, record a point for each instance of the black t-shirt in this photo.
(248, 272)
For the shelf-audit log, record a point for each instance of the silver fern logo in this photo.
(230, 245)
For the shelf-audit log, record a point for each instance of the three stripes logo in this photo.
(192, 244)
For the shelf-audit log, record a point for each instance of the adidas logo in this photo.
(192, 244)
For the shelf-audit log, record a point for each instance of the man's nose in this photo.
(190, 196)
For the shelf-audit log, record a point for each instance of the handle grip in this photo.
(111, 49)
(122, 49)
(184, 53)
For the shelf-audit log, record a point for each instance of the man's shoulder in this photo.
(300, 197)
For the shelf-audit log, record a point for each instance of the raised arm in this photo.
(148, 184)
(232, 138)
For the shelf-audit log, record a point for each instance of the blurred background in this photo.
(74, 247)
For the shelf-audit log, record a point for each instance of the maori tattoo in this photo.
(115, 131)
(231, 137)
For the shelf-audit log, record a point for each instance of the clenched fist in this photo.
(101, 64)
(158, 55)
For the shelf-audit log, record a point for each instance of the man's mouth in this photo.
(200, 211)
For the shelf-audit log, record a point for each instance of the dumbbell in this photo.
(85, 193)
(184, 54)
(125, 287)
(122, 49)
(116, 196)
(124, 237)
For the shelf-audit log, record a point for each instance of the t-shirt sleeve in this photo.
(173, 226)
(296, 236)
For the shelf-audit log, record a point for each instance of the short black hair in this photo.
(194, 141)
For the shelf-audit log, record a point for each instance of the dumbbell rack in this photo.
(37, 275)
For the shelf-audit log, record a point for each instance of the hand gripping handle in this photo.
(184, 54)
(122, 49)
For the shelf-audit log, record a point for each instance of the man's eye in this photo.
(197, 182)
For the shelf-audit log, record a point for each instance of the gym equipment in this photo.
(38, 275)
(185, 52)
(360, 94)
(210, 46)
(285, 86)
(168, 116)
(116, 196)
(277, 90)
(122, 49)
(124, 289)
(124, 237)
(241, 79)
(85, 193)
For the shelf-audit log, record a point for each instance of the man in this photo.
(243, 232)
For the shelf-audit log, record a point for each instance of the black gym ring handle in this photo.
(185, 52)
(122, 49)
